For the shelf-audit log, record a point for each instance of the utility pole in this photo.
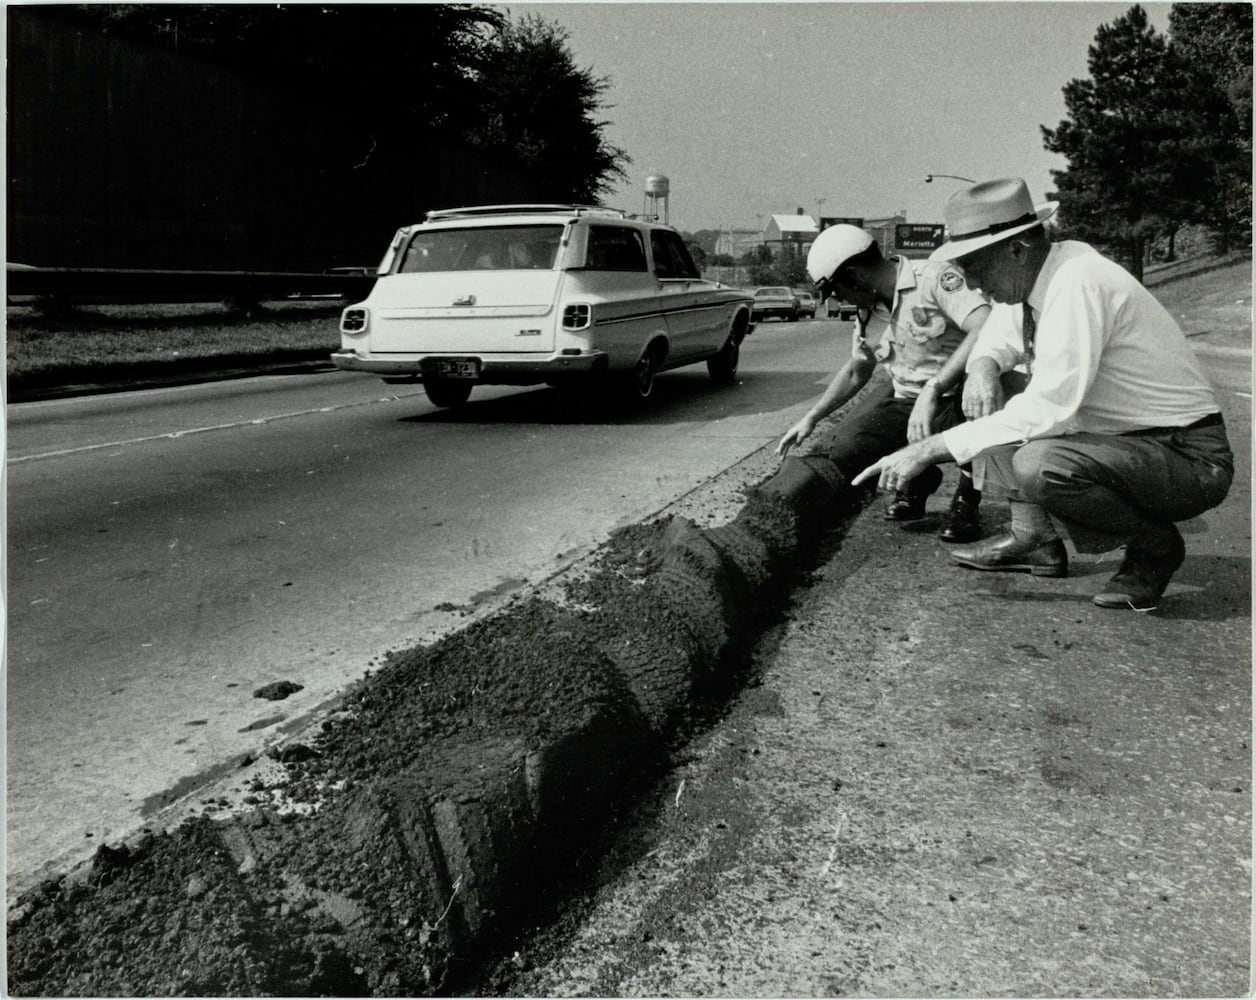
(819, 208)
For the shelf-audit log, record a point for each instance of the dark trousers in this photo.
(1111, 489)
(878, 425)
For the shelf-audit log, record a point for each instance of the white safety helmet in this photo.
(833, 248)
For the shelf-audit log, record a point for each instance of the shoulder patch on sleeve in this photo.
(951, 280)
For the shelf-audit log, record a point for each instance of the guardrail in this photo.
(76, 285)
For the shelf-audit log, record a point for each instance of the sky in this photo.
(755, 109)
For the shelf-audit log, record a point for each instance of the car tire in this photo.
(722, 367)
(447, 392)
(640, 381)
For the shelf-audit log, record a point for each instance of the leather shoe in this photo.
(962, 522)
(905, 507)
(1007, 552)
(1144, 574)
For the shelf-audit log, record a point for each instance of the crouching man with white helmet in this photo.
(919, 319)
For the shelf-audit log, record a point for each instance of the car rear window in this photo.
(482, 248)
(671, 256)
(615, 248)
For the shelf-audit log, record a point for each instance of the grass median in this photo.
(93, 345)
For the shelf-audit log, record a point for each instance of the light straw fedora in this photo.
(987, 213)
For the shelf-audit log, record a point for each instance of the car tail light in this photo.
(353, 321)
(577, 317)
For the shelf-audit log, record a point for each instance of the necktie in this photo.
(1029, 327)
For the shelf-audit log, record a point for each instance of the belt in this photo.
(1211, 420)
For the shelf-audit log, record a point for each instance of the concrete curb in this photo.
(453, 845)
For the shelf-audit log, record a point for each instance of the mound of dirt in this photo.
(443, 793)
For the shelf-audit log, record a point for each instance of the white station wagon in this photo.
(529, 294)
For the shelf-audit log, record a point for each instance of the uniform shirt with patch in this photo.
(923, 326)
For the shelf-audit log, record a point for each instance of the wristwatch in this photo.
(932, 383)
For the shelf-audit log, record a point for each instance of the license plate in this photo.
(452, 367)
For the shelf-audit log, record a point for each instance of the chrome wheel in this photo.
(643, 375)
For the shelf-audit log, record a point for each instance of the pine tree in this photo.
(1138, 162)
(1215, 39)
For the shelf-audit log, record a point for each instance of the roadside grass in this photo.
(98, 343)
(1211, 302)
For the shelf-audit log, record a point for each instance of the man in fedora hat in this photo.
(920, 320)
(1117, 434)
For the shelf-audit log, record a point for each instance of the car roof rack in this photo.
(477, 210)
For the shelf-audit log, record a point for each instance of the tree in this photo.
(705, 238)
(388, 69)
(794, 271)
(539, 109)
(1215, 39)
(767, 268)
(761, 265)
(1136, 139)
(402, 81)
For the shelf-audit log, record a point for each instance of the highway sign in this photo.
(918, 236)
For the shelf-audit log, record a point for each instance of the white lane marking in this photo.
(171, 435)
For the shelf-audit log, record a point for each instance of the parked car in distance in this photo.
(836, 307)
(774, 300)
(806, 303)
(531, 294)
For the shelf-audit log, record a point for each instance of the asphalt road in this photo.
(173, 550)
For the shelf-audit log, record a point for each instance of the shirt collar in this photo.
(905, 281)
(906, 274)
(1056, 258)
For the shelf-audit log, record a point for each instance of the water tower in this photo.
(656, 190)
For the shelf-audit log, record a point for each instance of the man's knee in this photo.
(1050, 468)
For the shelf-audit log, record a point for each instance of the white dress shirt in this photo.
(1109, 359)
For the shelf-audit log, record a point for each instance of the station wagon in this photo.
(533, 294)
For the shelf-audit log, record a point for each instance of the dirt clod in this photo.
(278, 690)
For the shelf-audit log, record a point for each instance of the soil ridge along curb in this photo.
(446, 790)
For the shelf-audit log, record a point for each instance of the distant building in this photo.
(795, 231)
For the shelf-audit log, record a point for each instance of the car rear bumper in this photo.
(501, 369)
